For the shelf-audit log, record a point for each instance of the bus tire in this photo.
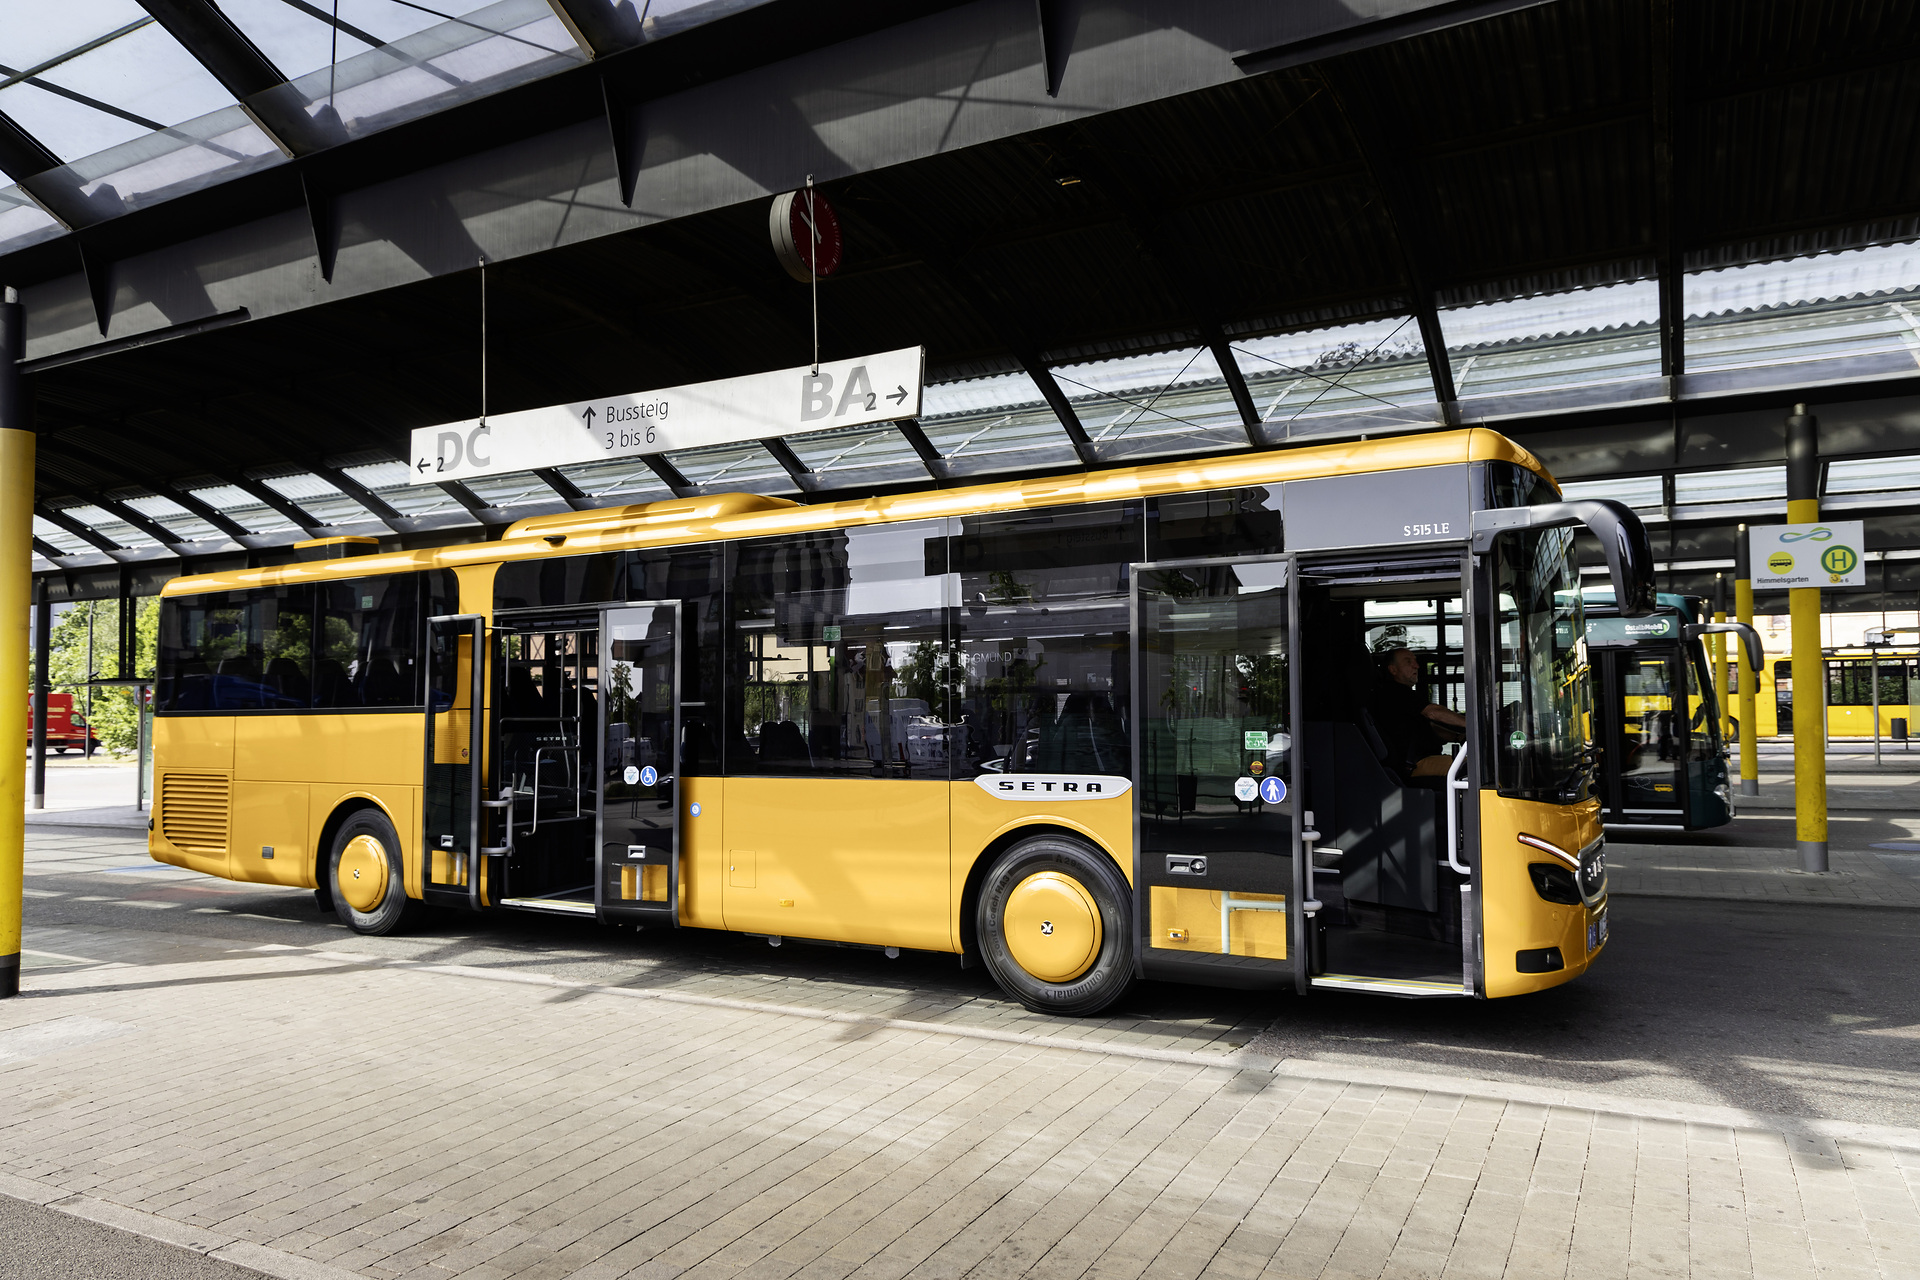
(1733, 731)
(365, 875)
(1055, 927)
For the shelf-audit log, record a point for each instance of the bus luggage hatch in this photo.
(638, 875)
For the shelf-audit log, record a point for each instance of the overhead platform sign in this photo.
(843, 393)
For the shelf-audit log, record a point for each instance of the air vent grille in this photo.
(193, 811)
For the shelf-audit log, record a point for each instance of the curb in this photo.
(1853, 903)
(230, 1249)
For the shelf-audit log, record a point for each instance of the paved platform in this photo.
(218, 1067)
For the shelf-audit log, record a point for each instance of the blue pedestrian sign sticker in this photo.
(649, 776)
(1272, 790)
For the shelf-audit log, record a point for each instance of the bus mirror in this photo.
(1622, 538)
(1749, 638)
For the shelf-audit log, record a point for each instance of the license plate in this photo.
(1597, 932)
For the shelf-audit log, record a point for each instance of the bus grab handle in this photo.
(1453, 811)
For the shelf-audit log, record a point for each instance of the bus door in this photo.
(1644, 723)
(546, 754)
(451, 808)
(1216, 847)
(639, 777)
(1386, 698)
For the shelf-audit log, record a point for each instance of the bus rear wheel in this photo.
(1054, 926)
(365, 876)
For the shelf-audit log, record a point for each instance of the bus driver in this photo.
(1411, 726)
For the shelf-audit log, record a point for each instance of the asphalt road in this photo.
(45, 1244)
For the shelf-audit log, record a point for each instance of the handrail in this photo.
(1453, 811)
(537, 753)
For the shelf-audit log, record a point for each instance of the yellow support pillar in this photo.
(1749, 719)
(1809, 670)
(1720, 690)
(16, 577)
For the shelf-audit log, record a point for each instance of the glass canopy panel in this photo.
(1748, 484)
(1635, 491)
(1164, 402)
(110, 526)
(514, 489)
(1873, 475)
(319, 499)
(23, 222)
(243, 508)
(181, 521)
(621, 481)
(748, 468)
(422, 60)
(1862, 304)
(389, 481)
(1376, 368)
(859, 456)
(1556, 341)
(66, 543)
(999, 423)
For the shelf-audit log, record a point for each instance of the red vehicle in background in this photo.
(64, 728)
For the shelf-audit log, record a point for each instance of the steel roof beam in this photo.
(1666, 195)
(944, 261)
(790, 462)
(670, 475)
(1378, 144)
(78, 528)
(256, 84)
(203, 465)
(47, 549)
(572, 494)
(382, 510)
(111, 470)
(1159, 242)
(26, 160)
(478, 507)
(599, 27)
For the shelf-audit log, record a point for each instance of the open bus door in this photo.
(452, 794)
(639, 803)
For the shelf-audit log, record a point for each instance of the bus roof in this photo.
(727, 516)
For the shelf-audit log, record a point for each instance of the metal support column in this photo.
(1749, 680)
(42, 637)
(1809, 670)
(16, 575)
(1720, 656)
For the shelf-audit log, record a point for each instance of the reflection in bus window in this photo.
(237, 650)
(840, 646)
(1043, 623)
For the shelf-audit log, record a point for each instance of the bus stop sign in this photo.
(1824, 555)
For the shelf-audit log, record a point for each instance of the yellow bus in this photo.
(1849, 692)
(1082, 730)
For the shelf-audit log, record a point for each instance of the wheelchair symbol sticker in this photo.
(1272, 790)
(648, 776)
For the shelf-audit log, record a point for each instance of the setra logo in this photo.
(1781, 562)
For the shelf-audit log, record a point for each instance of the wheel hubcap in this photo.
(363, 873)
(1052, 926)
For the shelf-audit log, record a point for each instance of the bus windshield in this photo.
(1542, 728)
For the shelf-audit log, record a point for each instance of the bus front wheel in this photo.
(365, 876)
(1054, 926)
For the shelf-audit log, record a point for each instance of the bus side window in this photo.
(237, 650)
(368, 643)
(840, 657)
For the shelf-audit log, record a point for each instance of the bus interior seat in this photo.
(1387, 832)
(331, 685)
(782, 740)
(523, 695)
(1083, 735)
(385, 684)
(285, 678)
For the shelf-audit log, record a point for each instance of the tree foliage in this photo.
(113, 717)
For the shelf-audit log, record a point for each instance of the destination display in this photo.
(841, 393)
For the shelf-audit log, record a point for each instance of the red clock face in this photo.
(816, 232)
